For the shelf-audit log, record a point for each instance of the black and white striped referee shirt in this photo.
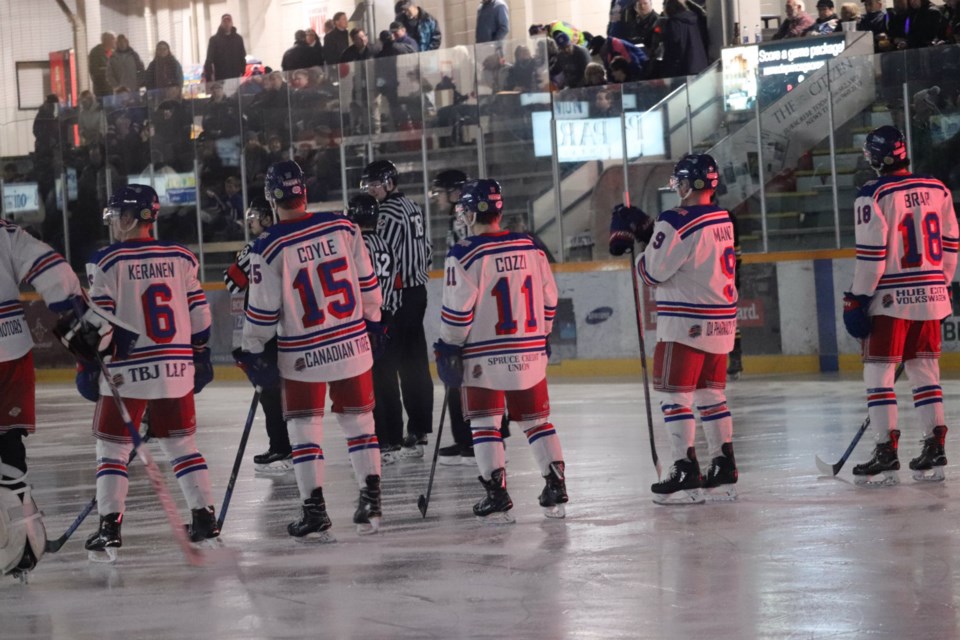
(385, 267)
(237, 275)
(402, 225)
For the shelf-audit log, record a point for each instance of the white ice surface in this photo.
(795, 557)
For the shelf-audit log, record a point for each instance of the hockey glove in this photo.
(856, 315)
(627, 226)
(260, 371)
(202, 367)
(81, 331)
(379, 337)
(88, 380)
(449, 359)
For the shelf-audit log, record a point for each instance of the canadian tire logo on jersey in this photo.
(300, 364)
(477, 371)
(887, 301)
(750, 313)
(695, 331)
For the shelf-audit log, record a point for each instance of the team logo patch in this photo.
(695, 331)
(278, 193)
(482, 206)
(300, 364)
(14, 412)
(477, 371)
(887, 301)
(598, 315)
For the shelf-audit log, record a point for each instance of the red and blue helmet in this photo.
(699, 169)
(284, 181)
(885, 147)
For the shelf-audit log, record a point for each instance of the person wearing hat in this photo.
(826, 22)
(420, 25)
(874, 19)
(571, 62)
(299, 56)
(796, 22)
(401, 41)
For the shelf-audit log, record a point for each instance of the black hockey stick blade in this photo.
(422, 505)
(423, 502)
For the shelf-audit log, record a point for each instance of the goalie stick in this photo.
(831, 470)
(55, 545)
(239, 459)
(424, 500)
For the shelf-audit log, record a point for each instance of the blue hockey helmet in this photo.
(481, 199)
(363, 210)
(284, 181)
(139, 200)
(885, 147)
(699, 169)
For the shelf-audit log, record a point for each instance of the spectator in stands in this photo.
(849, 12)
(493, 21)
(128, 146)
(171, 134)
(164, 70)
(577, 37)
(90, 119)
(125, 69)
(327, 28)
(522, 76)
(594, 75)
(402, 43)
(337, 41)
(315, 48)
(641, 21)
(796, 22)
(603, 105)
(897, 21)
(571, 62)
(221, 115)
(874, 19)
(606, 49)
(298, 56)
(617, 25)
(256, 159)
(622, 70)
(97, 61)
(826, 21)
(359, 49)
(226, 55)
(420, 25)
(684, 53)
(927, 25)
(951, 16)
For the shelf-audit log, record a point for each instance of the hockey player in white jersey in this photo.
(153, 287)
(907, 236)
(24, 259)
(313, 286)
(690, 260)
(499, 302)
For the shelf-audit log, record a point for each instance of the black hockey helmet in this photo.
(447, 180)
(363, 210)
(700, 169)
(480, 199)
(261, 211)
(284, 181)
(139, 200)
(379, 171)
(885, 147)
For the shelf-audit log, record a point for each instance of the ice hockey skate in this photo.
(413, 446)
(272, 463)
(203, 530)
(102, 546)
(928, 466)
(881, 469)
(722, 475)
(495, 508)
(455, 455)
(389, 454)
(368, 513)
(314, 523)
(683, 484)
(554, 494)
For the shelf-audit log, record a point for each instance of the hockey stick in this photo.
(54, 545)
(236, 463)
(833, 469)
(424, 500)
(193, 555)
(643, 360)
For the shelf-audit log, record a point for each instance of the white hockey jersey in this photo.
(907, 239)
(312, 284)
(691, 260)
(499, 302)
(23, 258)
(152, 286)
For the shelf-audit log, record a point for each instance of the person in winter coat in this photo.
(97, 64)
(420, 25)
(164, 70)
(826, 22)
(683, 50)
(337, 41)
(796, 22)
(315, 48)
(571, 63)
(299, 55)
(927, 25)
(125, 69)
(640, 20)
(493, 21)
(226, 55)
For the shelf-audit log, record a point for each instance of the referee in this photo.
(402, 226)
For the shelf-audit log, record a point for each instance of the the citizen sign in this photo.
(582, 139)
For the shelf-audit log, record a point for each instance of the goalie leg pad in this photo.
(23, 538)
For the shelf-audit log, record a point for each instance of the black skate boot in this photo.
(368, 513)
(884, 463)
(314, 521)
(204, 527)
(735, 361)
(928, 466)
(721, 476)
(273, 462)
(554, 494)
(683, 484)
(495, 508)
(102, 546)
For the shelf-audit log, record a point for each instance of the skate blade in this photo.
(411, 454)
(21, 575)
(734, 376)
(930, 475)
(368, 528)
(724, 493)
(885, 479)
(389, 459)
(317, 537)
(274, 469)
(557, 512)
(500, 517)
(679, 498)
(449, 461)
(107, 556)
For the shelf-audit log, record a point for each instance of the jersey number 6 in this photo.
(157, 314)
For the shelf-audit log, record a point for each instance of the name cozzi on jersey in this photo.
(510, 263)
